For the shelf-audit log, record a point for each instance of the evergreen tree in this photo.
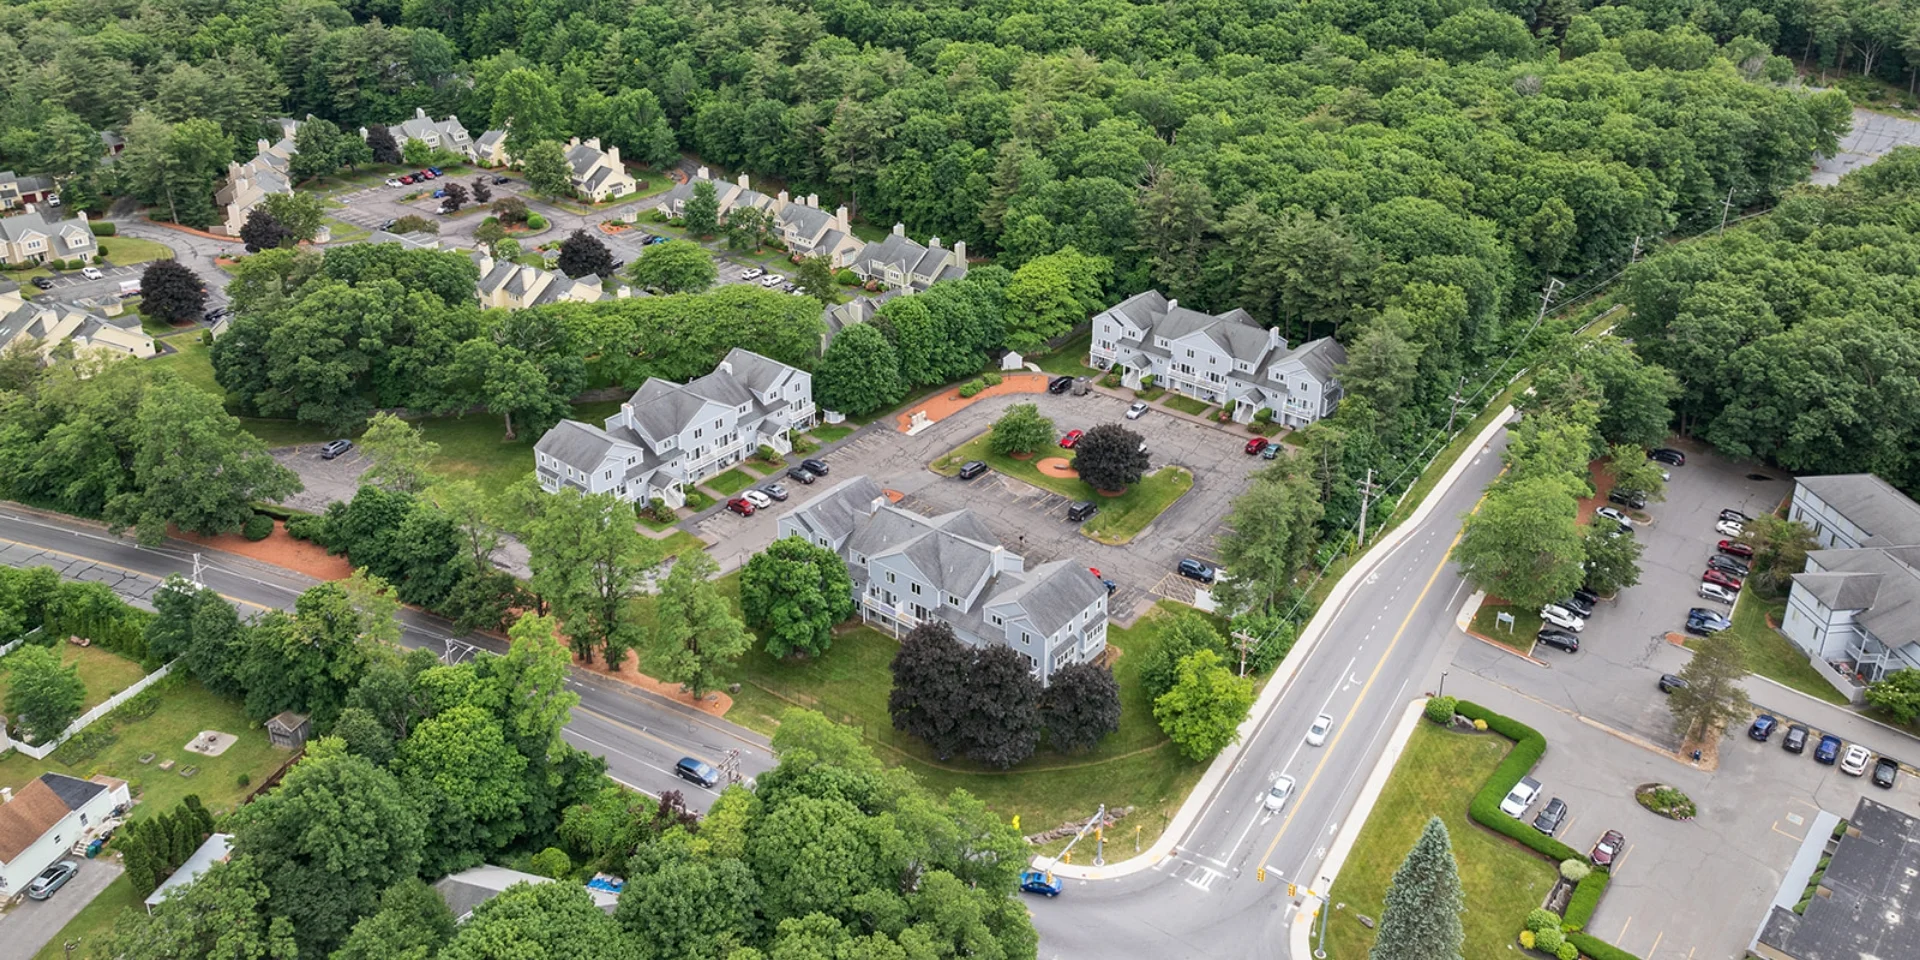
(1422, 917)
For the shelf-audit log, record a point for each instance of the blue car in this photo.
(435, 171)
(1037, 881)
(1828, 751)
(1763, 728)
(437, 194)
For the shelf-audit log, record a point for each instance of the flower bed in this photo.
(1665, 801)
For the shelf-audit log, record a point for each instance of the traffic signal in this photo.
(1260, 875)
(1291, 889)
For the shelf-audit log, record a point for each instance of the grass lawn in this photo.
(831, 433)
(186, 709)
(1771, 655)
(697, 501)
(105, 674)
(1150, 394)
(123, 251)
(340, 231)
(1437, 776)
(681, 542)
(1135, 766)
(729, 483)
(1070, 359)
(1188, 405)
(1526, 625)
(1120, 518)
(193, 363)
(93, 922)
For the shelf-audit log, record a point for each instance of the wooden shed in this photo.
(290, 730)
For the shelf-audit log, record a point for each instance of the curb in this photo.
(1203, 793)
(1300, 934)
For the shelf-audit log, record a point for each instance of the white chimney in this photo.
(742, 181)
(1172, 303)
(573, 142)
(782, 197)
(486, 264)
(840, 220)
(261, 145)
(701, 174)
(613, 155)
(899, 229)
(453, 118)
(363, 133)
(419, 113)
(726, 366)
(959, 253)
(813, 200)
(933, 243)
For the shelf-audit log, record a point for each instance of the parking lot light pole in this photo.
(1443, 684)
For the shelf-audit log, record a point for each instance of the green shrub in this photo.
(311, 529)
(552, 862)
(1540, 918)
(1568, 951)
(1598, 949)
(1146, 382)
(676, 221)
(1526, 939)
(1548, 940)
(84, 746)
(243, 779)
(658, 216)
(846, 278)
(1263, 415)
(1440, 709)
(1586, 896)
(1528, 747)
(1574, 870)
(536, 222)
(990, 379)
(971, 387)
(103, 228)
(140, 706)
(257, 528)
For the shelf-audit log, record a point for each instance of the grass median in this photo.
(1438, 775)
(1519, 635)
(1120, 518)
(1771, 655)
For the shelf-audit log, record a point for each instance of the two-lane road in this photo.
(1384, 646)
(640, 735)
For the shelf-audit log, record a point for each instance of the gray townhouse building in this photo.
(1855, 609)
(1219, 358)
(671, 435)
(909, 569)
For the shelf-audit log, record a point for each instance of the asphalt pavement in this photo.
(32, 924)
(641, 735)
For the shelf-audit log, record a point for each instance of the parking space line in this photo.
(1656, 942)
(1622, 935)
(1621, 861)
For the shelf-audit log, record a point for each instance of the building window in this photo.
(861, 559)
(719, 424)
(609, 475)
(996, 621)
(954, 601)
(698, 433)
(915, 587)
(1189, 354)
(891, 578)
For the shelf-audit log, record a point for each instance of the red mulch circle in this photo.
(1057, 467)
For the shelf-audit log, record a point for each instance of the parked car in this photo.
(1669, 683)
(1317, 734)
(1735, 515)
(1703, 626)
(1081, 510)
(52, 879)
(1668, 456)
(92, 273)
(1854, 762)
(499, 180)
(1727, 565)
(972, 468)
(816, 467)
(789, 286)
(1552, 817)
(1272, 452)
(1258, 444)
(1588, 595)
(1763, 727)
(1608, 849)
(1580, 606)
(1615, 515)
(1796, 739)
(1520, 798)
(435, 171)
(752, 273)
(1137, 410)
(759, 500)
(1729, 528)
(1072, 439)
(741, 506)
(1195, 570)
(1735, 548)
(1727, 580)
(772, 280)
(216, 314)
(392, 182)
(1717, 593)
(442, 192)
(1559, 640)
(1563, 618)
(406, 180)
(1040, 882)
(1277, 794)
(53, 199)
(424, 175)
(389, 224)
(335, 448)
(1710, 615)
(1885, 772)
(697, 772)
(44, 283)
(1828, 751)
(801, 474)
(775, 491)
(1059, 385)
(1628, 498)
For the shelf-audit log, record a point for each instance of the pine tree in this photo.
(138, 857)
(1422, 917)
(200, 813)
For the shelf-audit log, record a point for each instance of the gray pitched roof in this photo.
(1840, 591)
(41, 219)
(1870, 503)
(842, 315)
(582, 158)
(1874, 580)
(1323, 357)
(1233, 332)
(918, 261)
(579, 445)
(486, 141)
(833, 514)
(72, 791)
(811, 221)
(1052, 594)
(757, 372)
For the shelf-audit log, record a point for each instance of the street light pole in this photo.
(1443, 684)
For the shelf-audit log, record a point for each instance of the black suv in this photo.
(972, 468)
(1633, 499)
(1559, 640)
(1552, 817)
(1669, 683)
(1580, 605)
(1668, 456)
(1884, 771)
(1059, 385)
(1796, 739)
(817, 467)
(801, 474)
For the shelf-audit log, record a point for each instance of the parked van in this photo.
(129, 288)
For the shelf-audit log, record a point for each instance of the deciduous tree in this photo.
(413, 923)
(171, 292)
(545, 164)
(538, 920)
(1897, 696)
(262, 231)
(1021, 430)
(1080, 707)
(677, 266)
(223, 915)
(702, 211)
(194, 467)
(794, 593)
(1612, 558)
(695, 632)
(1203, 711)
(456, 197)
(399, 454)
(859, 374)
(1712, 697)
(302, 214)
(1271, 534)
(931, 692)
(587, 560)
(43, 695)
(1110, 457)
(582, 254)
(1424, 902)
(1049, 295)
(1523, 544)
(1780, 549)
(384, 148)
(459, 767)
(814, 275)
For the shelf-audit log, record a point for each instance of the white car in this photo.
(772, 280)
(1277, 796)
(1520, 798)
(1563, 618)
(1717, 593)
(1317, 734)
(1614, 515)
(1855, 761)
(1729, 529)
(752, 273)
(759, 500)
(53, 199)
(391, 182)
(93, 273)
(1138, 410)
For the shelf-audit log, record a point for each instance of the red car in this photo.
(1608, 849)
(1072, 439)
(741, 506)
(1256, 445)
(424, 175)
(1736, 548)
(407, 179)
(1725, 580)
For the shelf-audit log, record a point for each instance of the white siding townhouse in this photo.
(908, 265)
(41, 823)
(1219, 358)
(671, 435)
(909, 569)
(516, 286)
(50, 324)
(39, 233)
(598, 174)
(798, 222)
(448, 134)
(251, 182)
(1855, 610)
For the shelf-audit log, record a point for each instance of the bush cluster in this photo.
(1528, 747)
(309, 528)
(990, 379)
(971, 387)
(1586, 896)
(1440, 709)
(103, 228)
(257, 528)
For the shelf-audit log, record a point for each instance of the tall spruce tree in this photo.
(1422, 918)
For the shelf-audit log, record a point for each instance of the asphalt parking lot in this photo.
(1029, 520)
(325, 480)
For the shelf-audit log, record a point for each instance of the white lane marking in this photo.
(1203, 878)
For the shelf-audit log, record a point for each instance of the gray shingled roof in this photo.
(486, 141)
(1323, 357)
(579, 445)
(1052, 594)
(1840, 591)
(918, 261)
(1891, 612)
(72, 791)
(757, 372)
(1870, 503)
(811, 221)
(833, 513)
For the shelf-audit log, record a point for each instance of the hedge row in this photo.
(1597, 949)
(1528, 747)
(1586, 896)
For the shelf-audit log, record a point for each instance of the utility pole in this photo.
(1635, 256)
(1459, 397)
(1726, 207)
(1366, 497)
(1546, 299)
(1245, 642)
